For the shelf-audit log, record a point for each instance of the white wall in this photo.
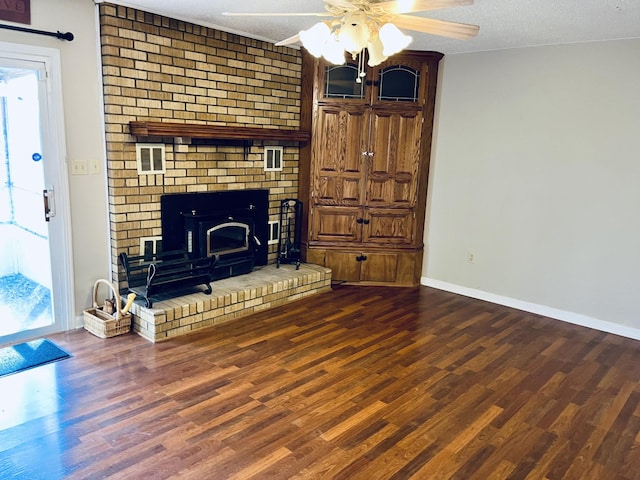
(84, 132)
(536, 171)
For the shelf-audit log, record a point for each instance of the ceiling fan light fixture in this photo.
(316, 38)
(393, 39)
(354, 33)
(355, 25)
(375, 48)
(333, 51)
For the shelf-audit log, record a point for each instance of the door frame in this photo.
(53, 142)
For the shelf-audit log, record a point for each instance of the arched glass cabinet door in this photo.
(399, 83)
(341, 82)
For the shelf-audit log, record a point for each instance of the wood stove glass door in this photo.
(228, 238)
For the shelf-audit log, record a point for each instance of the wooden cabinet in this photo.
(379, 226)
(363, 177)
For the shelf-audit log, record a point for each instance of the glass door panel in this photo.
(25, 262)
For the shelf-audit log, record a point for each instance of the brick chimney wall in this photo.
(160, 69)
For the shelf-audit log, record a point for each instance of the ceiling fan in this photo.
(354, 25)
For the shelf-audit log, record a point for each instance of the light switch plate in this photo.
(94, 166)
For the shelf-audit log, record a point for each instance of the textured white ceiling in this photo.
(503, 23)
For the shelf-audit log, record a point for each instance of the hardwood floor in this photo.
(359, 383)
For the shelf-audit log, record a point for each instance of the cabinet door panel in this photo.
(336, 224)
(344, 266)
(337, 150)
(337, 83)
(393, 168)
(416, 78)
(379, 267)
(389, 226)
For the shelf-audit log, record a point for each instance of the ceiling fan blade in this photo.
(271, 14)
(461, 31)
(398, 7)
(344, 4)
(289, 41)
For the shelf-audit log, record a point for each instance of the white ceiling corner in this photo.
(503, 23)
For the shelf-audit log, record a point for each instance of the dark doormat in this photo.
(28, 355)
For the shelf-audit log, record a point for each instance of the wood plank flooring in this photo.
(358, 383)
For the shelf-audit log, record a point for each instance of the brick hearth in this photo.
(231, 299)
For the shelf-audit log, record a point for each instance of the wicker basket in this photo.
(103, 324)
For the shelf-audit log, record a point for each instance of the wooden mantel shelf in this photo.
(214, 132)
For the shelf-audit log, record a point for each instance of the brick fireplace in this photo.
(165, 70)
(160, 69)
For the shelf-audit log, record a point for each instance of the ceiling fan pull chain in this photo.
(361, 72)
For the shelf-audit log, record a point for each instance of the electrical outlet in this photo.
(471, 257)
(79, 167)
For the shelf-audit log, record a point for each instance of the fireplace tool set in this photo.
(289, 238)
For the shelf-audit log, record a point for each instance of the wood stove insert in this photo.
(231, 225)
